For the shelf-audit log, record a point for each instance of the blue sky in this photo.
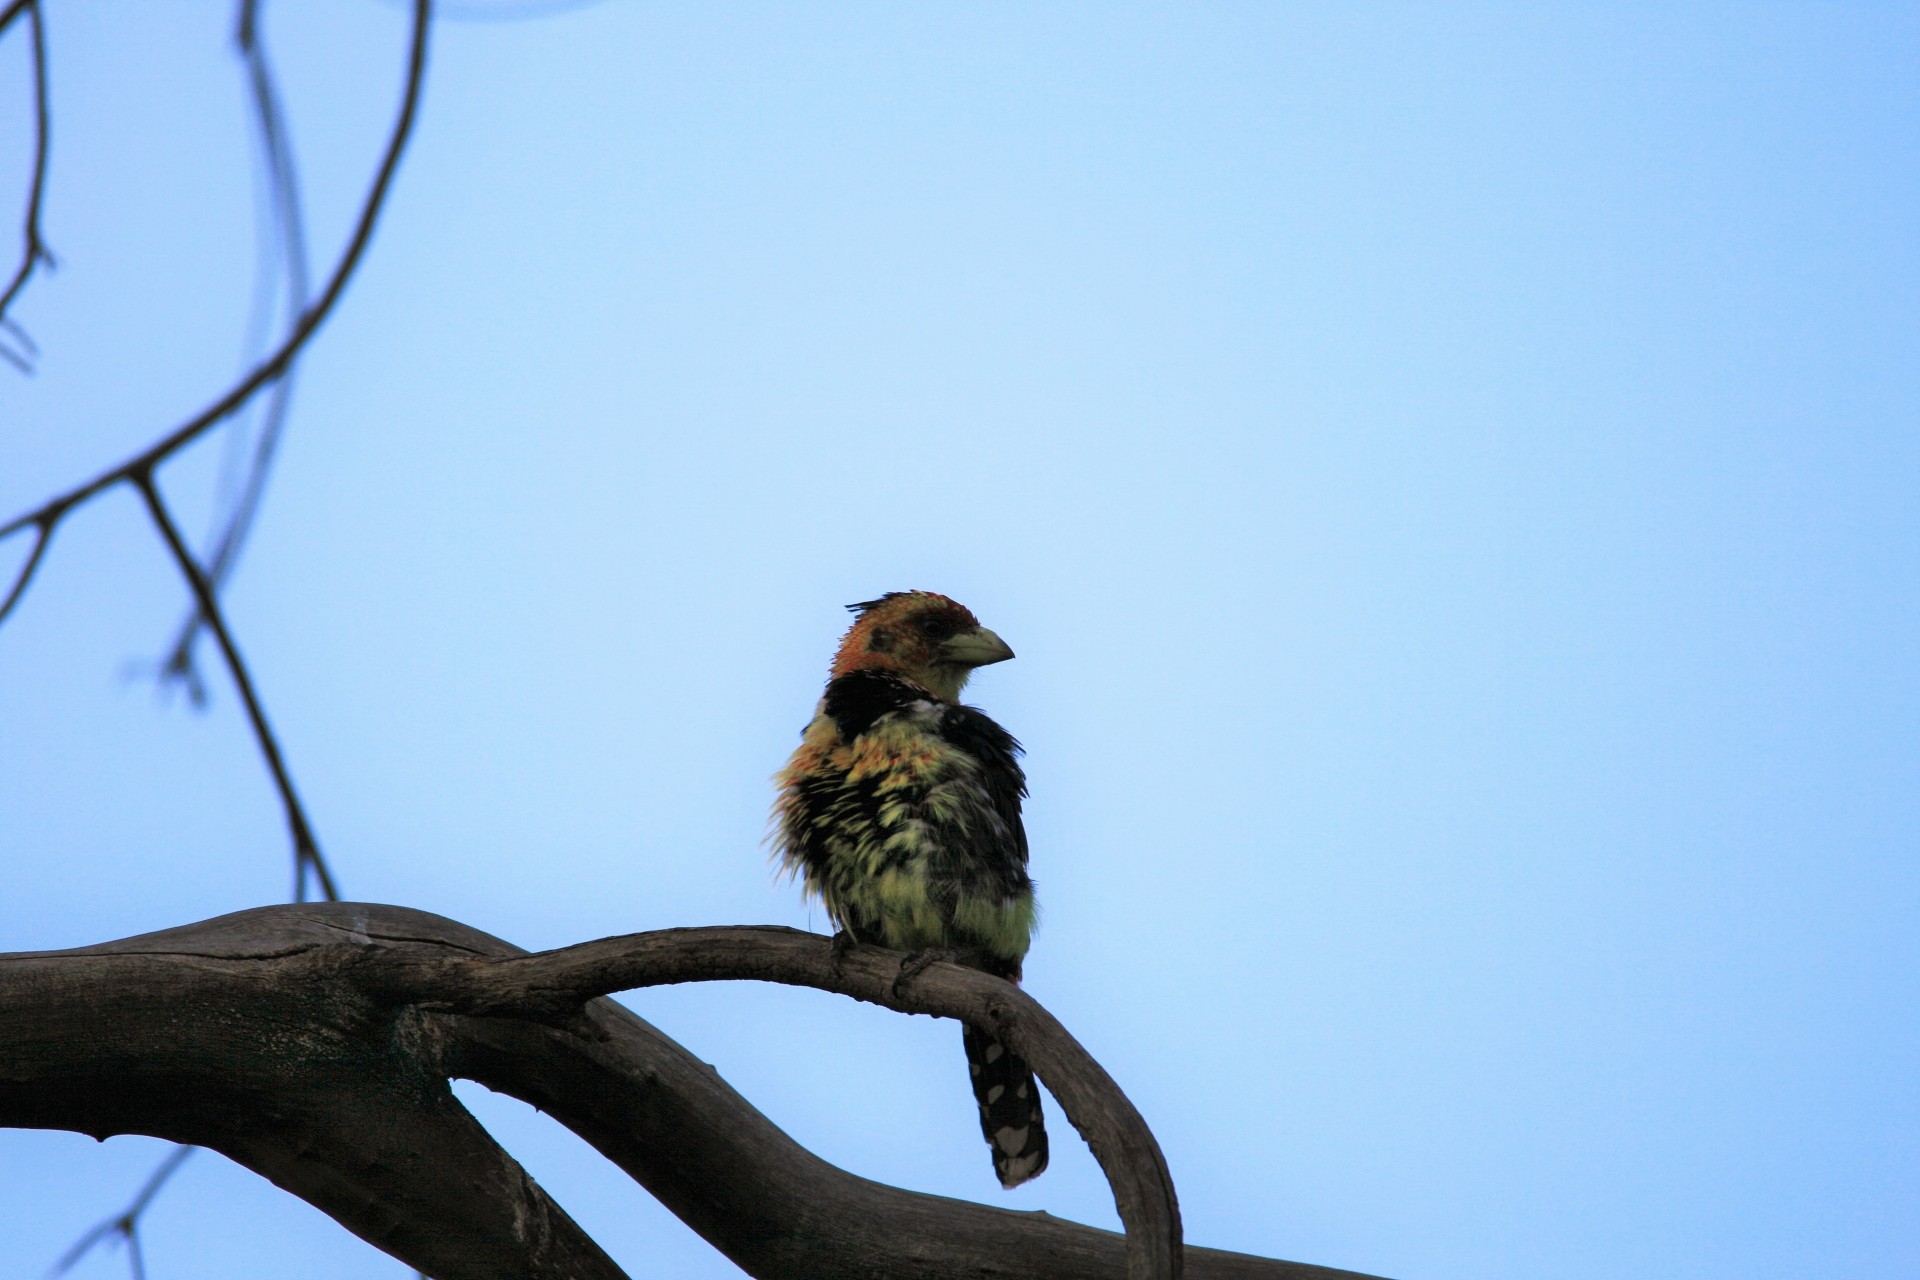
(1449, 473)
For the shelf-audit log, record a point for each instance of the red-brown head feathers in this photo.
(926, 637)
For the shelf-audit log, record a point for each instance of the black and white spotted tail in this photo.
(1009, 1101)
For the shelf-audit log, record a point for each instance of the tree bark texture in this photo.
(314, 1044)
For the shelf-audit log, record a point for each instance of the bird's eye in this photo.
(935, 627)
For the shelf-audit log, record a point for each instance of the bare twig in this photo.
(126, 1223)
(306, 850)
(289, 235)
(290, 348)
(139, 469)
(33, 251)
(43, 534)
(20, 335)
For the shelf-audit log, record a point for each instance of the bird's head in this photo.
(931, 640)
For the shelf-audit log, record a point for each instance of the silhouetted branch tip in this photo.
(33, 252)
(126, 1223)
(42, 535)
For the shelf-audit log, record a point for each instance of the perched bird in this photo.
(900, 811)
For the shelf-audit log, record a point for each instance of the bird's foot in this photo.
(916, 964)
(843, 942)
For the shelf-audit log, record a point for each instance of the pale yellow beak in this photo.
(976, 648)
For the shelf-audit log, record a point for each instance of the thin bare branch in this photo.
(43, 534)
(20, 335)
(33, 250)
(175, 1158)
(126, 1223)
(311, 319)
(306, 850)
(288, 232)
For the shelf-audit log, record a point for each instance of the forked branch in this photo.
(555, 983)
(296, 340)
(139, 470)
(314, 1045)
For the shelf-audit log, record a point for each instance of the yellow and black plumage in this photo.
(900, 811)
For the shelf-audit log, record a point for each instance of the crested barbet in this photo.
(900, 811)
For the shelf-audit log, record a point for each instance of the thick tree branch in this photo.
(557, 982)
(305, 1080)
(288, 1038)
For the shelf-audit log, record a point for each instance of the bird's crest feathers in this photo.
(907, 633)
